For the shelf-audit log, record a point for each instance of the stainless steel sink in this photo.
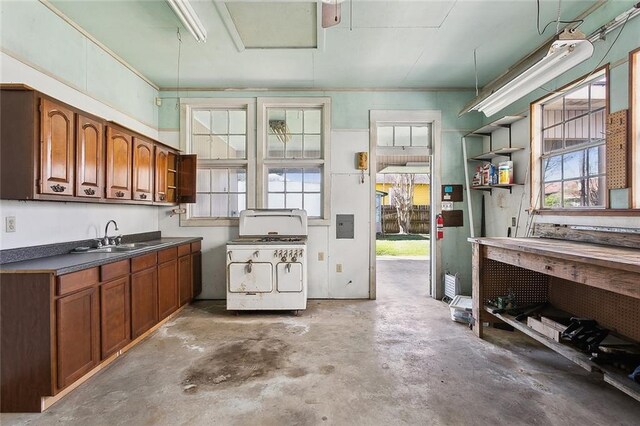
(113, 249)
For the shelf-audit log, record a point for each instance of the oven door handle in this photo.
(249, 267)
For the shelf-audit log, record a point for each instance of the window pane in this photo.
(237, 180)
(576, 131)
(275, 147)
(403, 136)
(596, 191)
(276, 181)
(201, 123)
(202, 147)
(313, 204)
(294, 121)
(552, 195)
(312, 146)
(552, 139)
(599, 93)
(385, 136)
(596, 155)
(576, 102)
(293, 201)
(236, 204)
(237, 122)
(294, 180)
(574, 193)
(219, 205)
(219, 147)
(598, 125)
(220, 122)
(294, 147)
(573, 165)
(275, 201)
(312, 121)
(202, 207)
(273, 117)
(420, 136)
(203, 180)
(312, 180)
(552, 113)
(219, 180)
(552, 168)
(237, 147)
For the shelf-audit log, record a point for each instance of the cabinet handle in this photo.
(143, 196)
(89, 191)
(58, 188)
(119, 194)
(162, 197)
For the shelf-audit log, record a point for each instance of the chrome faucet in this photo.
(109, 241)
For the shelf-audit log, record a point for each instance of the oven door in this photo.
(289, 277)
(250, 277)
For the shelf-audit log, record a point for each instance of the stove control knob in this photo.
(284, 258)
(275, 253)
(294, 259)
(256, 253)
(301, 252)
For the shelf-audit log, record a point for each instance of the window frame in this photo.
(186, 109)
(634, 116)
(263, 164)
(537, 149)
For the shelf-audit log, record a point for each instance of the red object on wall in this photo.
(439, 227)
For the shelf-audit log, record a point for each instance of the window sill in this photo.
(588, 212)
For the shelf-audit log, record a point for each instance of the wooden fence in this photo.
(420, 220)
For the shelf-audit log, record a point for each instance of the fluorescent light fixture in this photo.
(189, 18)
(562, 56)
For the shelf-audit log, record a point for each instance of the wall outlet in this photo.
(320, 255)
(513, 221)
(338, 267)
(10, 224)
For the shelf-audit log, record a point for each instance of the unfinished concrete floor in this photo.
(396, 360)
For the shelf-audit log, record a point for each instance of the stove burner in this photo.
(280, 239)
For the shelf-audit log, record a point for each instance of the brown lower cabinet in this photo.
(56, 329)
(115, 321)
(144, 300)
(78, 335)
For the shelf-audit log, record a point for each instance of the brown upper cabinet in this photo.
(119, 149)
(53, 151)
(89, 157)
(57, 143)
(143, 170)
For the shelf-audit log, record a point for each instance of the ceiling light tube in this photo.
(184, 11)
(562, 56)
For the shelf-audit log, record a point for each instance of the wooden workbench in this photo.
(588, 280)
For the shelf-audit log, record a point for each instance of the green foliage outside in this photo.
(402, 245)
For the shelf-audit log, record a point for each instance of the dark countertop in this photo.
(72, 262)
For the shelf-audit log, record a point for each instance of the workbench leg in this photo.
(476, 289)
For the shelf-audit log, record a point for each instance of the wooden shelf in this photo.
(501, 152)
(499, 186)
(498, 124)
(611, 375)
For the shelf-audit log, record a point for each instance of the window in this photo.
(635, 126)
(294, 154)
(571, 137)
(405, 136)
(220, 134)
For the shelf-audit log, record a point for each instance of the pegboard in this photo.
(614, 311)
(617, 148)
(529, 287)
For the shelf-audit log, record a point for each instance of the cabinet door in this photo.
(142, 170)
(115, 323)
(89, 158)
(119, 157)
(167, 288)
(77, 326)
(57, 136)
(161, 170)
(144, 301)
(187, 179)
(185, 277)
(196, 263)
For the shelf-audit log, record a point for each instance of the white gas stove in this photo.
(266, 265)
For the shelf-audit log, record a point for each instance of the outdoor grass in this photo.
(402, 245)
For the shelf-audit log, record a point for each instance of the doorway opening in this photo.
(403, 255)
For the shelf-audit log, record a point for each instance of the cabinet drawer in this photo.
(76, 281)
(114, 270)
(196, 246)
(143, 262)
(184, 250)
(168, 254)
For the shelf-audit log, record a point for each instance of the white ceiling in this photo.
(386, 44)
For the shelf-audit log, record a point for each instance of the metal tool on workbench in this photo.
(585, 333)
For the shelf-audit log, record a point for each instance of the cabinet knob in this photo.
(143, 196)
(119, 194)
(89, 191)
(162, 197)
(58, 188)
